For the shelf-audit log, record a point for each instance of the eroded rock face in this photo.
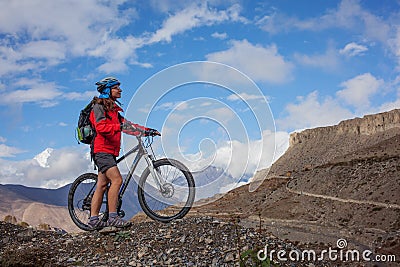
(314, 147)
(368, 125)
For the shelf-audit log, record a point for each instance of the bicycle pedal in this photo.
(121, 213)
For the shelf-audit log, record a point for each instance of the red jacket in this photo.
(108, 129)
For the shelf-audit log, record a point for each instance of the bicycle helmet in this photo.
(104, 86)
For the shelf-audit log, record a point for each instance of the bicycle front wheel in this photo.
(80, 200)
(173, 198)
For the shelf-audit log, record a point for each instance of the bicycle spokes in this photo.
(171, 198)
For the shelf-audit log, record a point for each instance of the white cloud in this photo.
(277, 22)
(53, 51)
(33, 55)
(349, 15)
(245, 97)
(353, 49)
(188, 18)
(311, 112)
(375, 28)
(168, 6)
(58, 168)
(222, 114)
(231, 7)
(117, 51)
(8, 151)
(54, 30)
(80, 96)
(234, 13)
(394, 44)
(79, 24)
(11, 61)
(328, 60)
(358, 90)
(395, 103)
(218, 35)
(178, 105)
(45, 94)
(182, 106)
(38, 91)
(245, 158)
(390, 105)
(90, 29)
(258, 62)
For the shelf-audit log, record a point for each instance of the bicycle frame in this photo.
(141, 152)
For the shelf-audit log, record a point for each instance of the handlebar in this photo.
(152, 132)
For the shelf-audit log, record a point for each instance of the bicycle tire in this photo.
(80, 198)
(165, 210)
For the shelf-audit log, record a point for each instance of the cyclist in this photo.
(108, 124)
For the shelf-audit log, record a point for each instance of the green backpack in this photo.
(85, 131)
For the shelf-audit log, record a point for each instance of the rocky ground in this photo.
(194, 241)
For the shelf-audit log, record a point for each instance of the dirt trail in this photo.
(344, 200)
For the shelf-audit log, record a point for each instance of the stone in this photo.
(229, 257)
(208, 241)
(143, 251)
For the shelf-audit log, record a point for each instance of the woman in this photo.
(109, 124)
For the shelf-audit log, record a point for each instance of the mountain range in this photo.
(39, 205)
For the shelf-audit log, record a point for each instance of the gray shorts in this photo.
(104, 161)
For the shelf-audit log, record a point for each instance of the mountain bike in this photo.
(166, 188)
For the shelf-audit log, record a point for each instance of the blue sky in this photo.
(311, 63)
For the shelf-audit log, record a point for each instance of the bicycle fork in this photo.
(154, 173)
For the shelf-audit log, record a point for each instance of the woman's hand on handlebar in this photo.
(138, 130)
(151, 132)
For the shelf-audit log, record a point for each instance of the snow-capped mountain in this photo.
(214, 180)
(42, 158)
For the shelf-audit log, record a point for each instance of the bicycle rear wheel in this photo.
(175, 198)
(80, 200)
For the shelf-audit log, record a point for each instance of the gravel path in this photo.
(197, 241)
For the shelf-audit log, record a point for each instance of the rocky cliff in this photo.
(313, 147)
(368, 125)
